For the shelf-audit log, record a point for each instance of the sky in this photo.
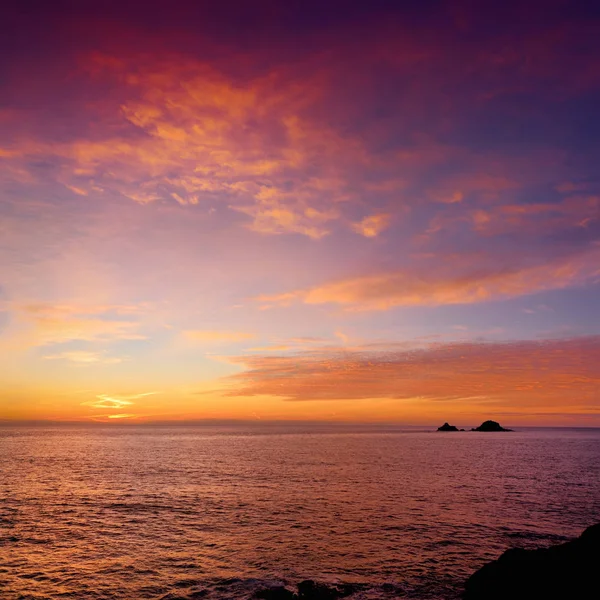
(374, 211)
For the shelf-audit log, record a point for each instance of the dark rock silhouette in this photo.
(568, 570)
(275, 593)
(447, 427)
(490, 426)
(311, 590)
(308, 590)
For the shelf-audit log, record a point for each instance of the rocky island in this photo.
(447, 427)
(490, 426)
(485, 426)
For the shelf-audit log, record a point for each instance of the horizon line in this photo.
(207, 422)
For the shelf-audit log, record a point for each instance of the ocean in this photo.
(220, 511)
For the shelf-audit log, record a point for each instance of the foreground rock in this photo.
(490, 426)
(275, 593)
(308, 590)
(447, 427)
(567, 571)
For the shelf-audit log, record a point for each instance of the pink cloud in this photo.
(450, 283)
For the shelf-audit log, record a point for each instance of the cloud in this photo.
(271, 348)
(342, 336)
(105, 418)
(570, 213)
(179, 165)
(437, 285)
(278, 140)
(188, 132)
(490, 208)
(59, 323)
(552, 374)
(273, 216)
(538, 218)
(112, 401)
(44, 309)
(84, 357)
(214, 336)
(123, 416)
(296, 344)
(373, 225)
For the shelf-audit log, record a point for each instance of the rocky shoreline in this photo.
(559, 572)
(568, 570)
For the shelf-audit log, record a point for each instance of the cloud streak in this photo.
(115, 402)
(554, 373)
(213, 336)
(435, 286)
(50, 324)
(85, 357)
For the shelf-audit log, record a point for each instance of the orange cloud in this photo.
(432, 287)
(272, 215)
(560, 374)
(187, 131)
(572, 211)
(198, 134)
(123, 416)
(489, 208)
(106, 401)
(373, 225)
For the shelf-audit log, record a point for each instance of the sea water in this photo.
(179, 512)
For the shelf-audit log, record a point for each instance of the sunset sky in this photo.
(300, 210)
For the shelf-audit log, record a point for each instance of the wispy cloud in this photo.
(59, 323)
(502, 215)
(112, 401)
(48, 310)
(123, 416)
(271, 348)
(215, 336)
(296, 344)
(438, 286)
(85, 357)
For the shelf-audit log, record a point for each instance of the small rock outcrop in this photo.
(447, 427)
(568, 570)
(308, 590)
(490, 426)
(275, 593)
(312, 590)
